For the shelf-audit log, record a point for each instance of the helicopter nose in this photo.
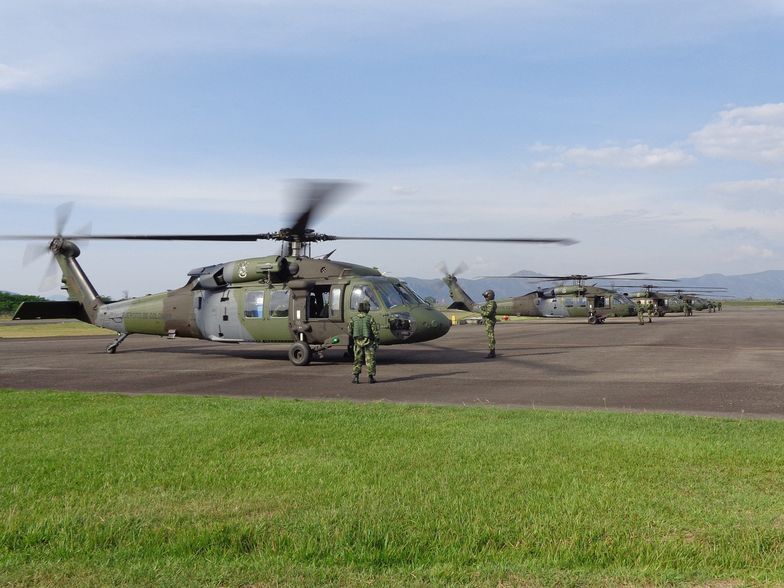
(433, 325)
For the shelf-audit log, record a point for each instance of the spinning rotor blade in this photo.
(61, 215)
(442, 268)
(315, 195)
(457, 239)
(49, 281)
(34, 251)
(571, 277)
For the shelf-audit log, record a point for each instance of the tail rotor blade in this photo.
(50, 279)
(62, 214)
(34, 251)
(461, 267)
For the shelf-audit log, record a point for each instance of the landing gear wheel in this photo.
(300, 353)
(592, 320)
(112, 347)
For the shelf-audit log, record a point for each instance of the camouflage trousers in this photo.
(641, 318)
(364, 352)
(490, 332)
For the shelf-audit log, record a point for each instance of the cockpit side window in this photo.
(362, 292)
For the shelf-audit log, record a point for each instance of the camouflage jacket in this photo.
(488, 310)
(363, 326)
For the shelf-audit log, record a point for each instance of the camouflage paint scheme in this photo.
(561, 301)
(262, 299)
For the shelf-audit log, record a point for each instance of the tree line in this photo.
(9, 302)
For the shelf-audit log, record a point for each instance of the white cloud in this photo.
(754, 133)
(13, 78)
(637, 156)
(762, 194)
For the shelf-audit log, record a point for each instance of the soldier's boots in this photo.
(356, 379)
(490, 355)
(372, 379)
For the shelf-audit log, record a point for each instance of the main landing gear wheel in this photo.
(112, 347)
(300, 353)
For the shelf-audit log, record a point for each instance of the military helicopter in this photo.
(669, 299)
(288, 298)
(575, 300)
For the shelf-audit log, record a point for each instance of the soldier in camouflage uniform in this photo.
(649, 309)
(640, 312)
(365, 332)
(488, 310)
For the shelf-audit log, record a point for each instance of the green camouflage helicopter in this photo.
(575, 300)
(288, 298)
(666, 299)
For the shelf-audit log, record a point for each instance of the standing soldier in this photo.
(640, 312)
(487, 310)
(649, 308)
(718, 306)
(687, 307)
(364, 330)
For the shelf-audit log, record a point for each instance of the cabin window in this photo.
(569, 302)
(278, 303)
(254, 304)
(363, 292)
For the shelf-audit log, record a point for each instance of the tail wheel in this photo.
(300, 353)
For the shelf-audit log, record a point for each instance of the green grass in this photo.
(179, 491)
(24, 329)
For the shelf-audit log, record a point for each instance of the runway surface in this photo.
(729, 363)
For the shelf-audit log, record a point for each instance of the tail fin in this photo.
(460, 297)
(76, 283)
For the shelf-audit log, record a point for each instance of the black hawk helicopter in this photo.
(288, 298)
(577, 299)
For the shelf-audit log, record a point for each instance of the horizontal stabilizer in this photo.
(49, 310)
(458, 306)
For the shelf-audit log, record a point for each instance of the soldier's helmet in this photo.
(489, 295)
(364, 306)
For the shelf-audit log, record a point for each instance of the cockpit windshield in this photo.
(408, 294)
(384, 293)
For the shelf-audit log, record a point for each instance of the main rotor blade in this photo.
(313, 196)
(276, 236)
(458, 239)
(240, 237)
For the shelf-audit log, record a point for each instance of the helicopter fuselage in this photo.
(562, 301)
(273, 299)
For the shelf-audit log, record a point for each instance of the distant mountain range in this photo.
(760, 286)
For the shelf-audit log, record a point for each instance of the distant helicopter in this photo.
(667, 299)
(575, 300)
(287, 298)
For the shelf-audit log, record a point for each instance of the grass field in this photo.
(180, 491)
(21, 329)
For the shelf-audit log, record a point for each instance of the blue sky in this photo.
(652, 132)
